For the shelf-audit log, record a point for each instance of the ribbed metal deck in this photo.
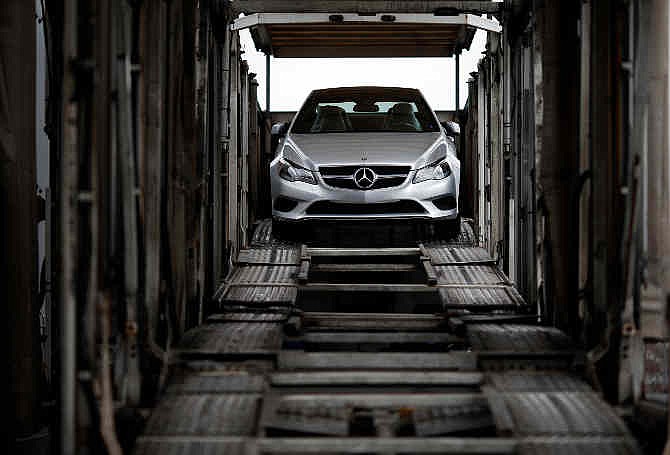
(479, 375)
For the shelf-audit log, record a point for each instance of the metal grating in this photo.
(264, 274)
(205, 415)
(259, 295)
(576, 446)
(517, 338)
(278, 255)
(481, 298)
(524, 381)
(233, 338)
(555, 413)
(446, 255)
(469, 274)
(216, 382)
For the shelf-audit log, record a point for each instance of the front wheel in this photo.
(283, 230)
(449, 229)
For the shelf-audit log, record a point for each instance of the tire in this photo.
(449, 229)
(282, 230)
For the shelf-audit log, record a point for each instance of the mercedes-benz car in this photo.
(365, 153)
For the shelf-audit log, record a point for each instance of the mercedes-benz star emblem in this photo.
(365, 178)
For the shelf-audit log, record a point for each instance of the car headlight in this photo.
(294, 173)
(435, 171)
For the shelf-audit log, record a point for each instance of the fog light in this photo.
(284, 204)
(445, 203)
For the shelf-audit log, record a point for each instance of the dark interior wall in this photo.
(557, 155)
(18, 212)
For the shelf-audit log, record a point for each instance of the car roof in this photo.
(366, 91)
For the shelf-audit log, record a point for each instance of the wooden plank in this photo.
(376, 378)
(377, 361)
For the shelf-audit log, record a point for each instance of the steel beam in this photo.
(369, 6)
(471, 20)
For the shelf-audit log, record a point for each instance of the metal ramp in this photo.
(473, 373)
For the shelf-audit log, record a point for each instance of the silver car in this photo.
(365, 153)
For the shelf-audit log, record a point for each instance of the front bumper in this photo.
(299, 201)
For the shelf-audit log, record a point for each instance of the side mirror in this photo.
(453, 129)
(279, 129)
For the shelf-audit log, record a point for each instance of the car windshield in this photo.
(365, 110)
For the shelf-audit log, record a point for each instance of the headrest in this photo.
(329, 111)
(402, 108)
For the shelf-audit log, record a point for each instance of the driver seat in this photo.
(331, 119)
(401, 118)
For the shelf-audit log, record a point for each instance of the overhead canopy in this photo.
(363, 35)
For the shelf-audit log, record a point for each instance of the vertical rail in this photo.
(69, 181)
(457, 57)
(267, 84)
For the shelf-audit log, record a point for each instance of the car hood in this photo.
(407, 149)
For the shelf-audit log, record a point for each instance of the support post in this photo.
(18, 212)
(267, 83)
(457, 56)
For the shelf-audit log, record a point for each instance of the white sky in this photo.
(294, 78)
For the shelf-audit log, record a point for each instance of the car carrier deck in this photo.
(424, 349)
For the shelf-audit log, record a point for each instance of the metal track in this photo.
(479, 376)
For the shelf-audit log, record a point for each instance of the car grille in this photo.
(343, 176)
(382, 208)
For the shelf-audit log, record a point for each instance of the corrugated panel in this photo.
(262, 233)
(577, 446)
(182, 446)
(259, 295)
(555, 413)
(216, 382)
(516, 337)
(205, 415)
(445, 254)
(468, 274)
(523, 381)
(264, 274)
(481, 298)
(233, 338)
(279, 255)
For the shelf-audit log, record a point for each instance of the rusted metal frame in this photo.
(130, 389)
(305, 261)
(367, 7)
(466, 20)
